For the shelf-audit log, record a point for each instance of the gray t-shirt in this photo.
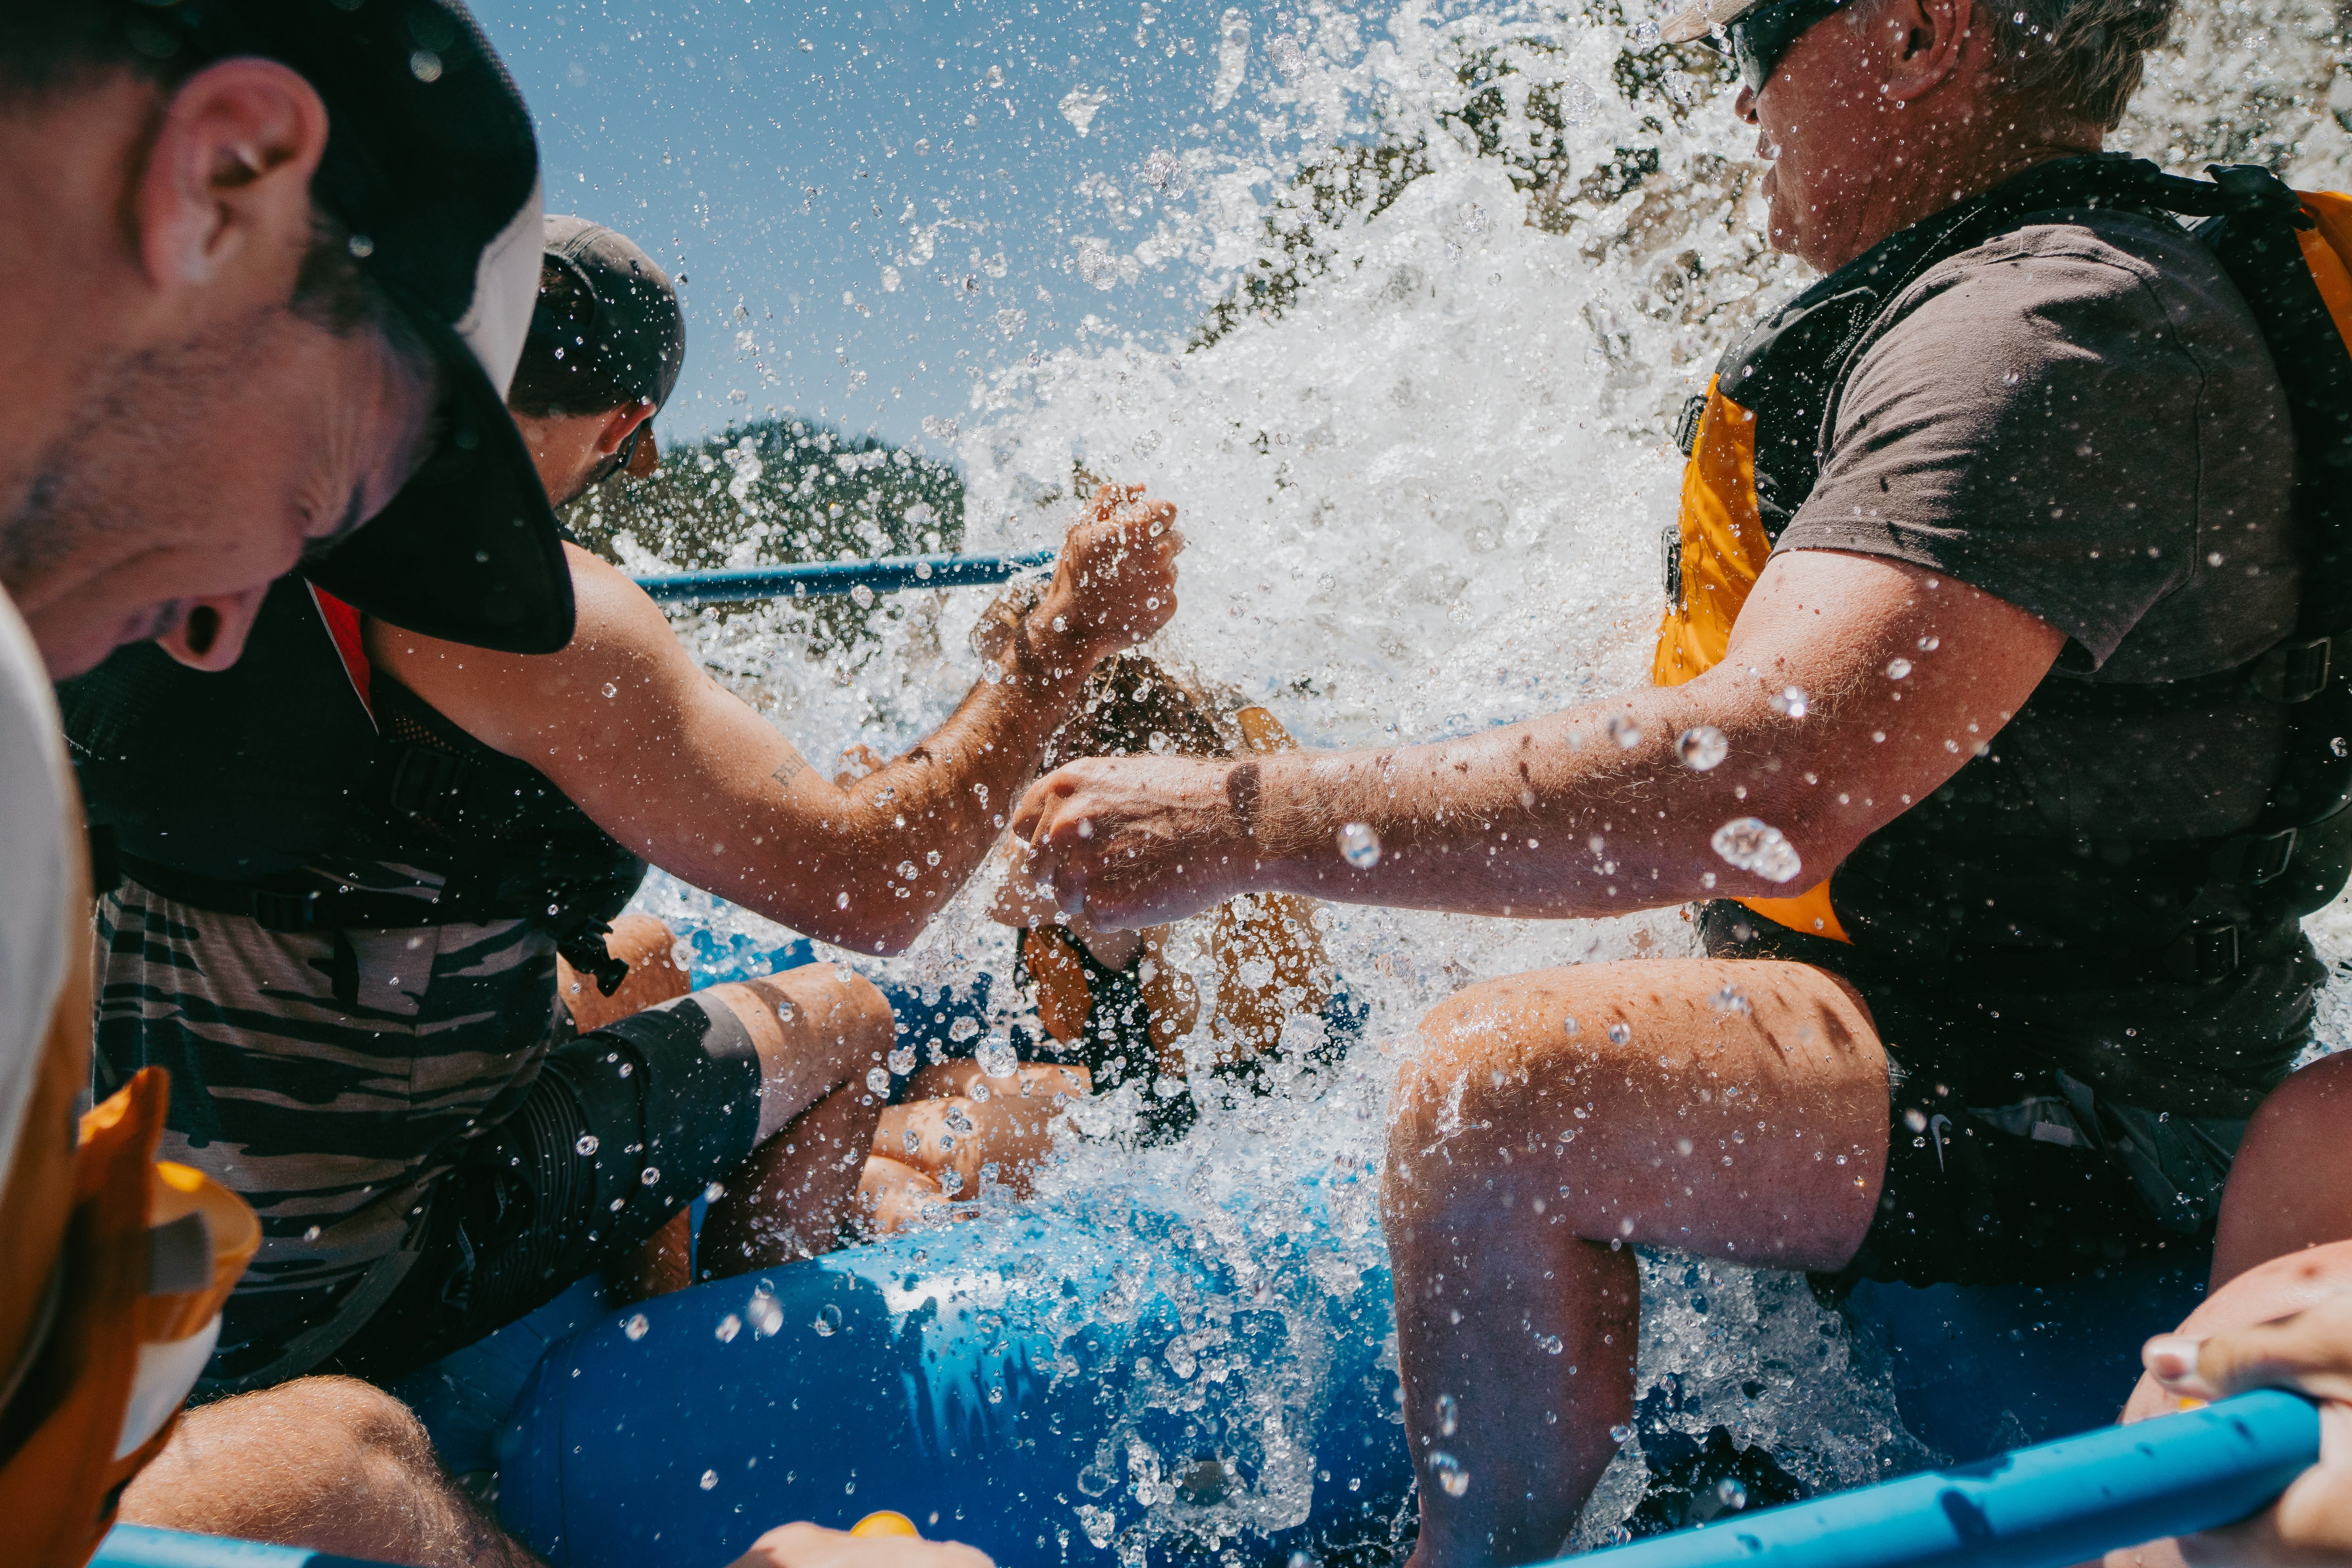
(2081, 418)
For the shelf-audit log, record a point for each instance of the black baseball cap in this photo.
(432, 167)
(607, 329)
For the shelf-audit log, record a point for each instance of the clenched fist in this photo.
(1116, 583)
(2311, 1352)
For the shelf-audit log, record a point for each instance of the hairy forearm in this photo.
(865, 865)
(1555, 817)
(912, 832)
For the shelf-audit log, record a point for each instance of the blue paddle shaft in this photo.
(2044, 1507)
(833, 579)
(136, 1546)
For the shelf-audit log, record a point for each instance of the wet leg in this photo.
(329, 1463)
(817, 1036)
(1525, 1157)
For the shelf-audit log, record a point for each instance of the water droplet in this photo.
(1360, 845)
(586, 1145)
(637, 1326)
(963, 1029)
(1753, 845)
(950, 1179)
(710, 1479)
(1730, 999)
(828, 1319)
(1624, 732)
(841, 900)
(1731, 1494)
(650, 1174)
(1702, 748)
(906, 870)
(1568, 1025)
(1619, 1034)
(1549, 1343)
(1449, 1416)
(1915, 1120)
(786, 1012)
(714, 1192)
(681, 956)
(932, 858)
(2338, 746)
(1449, 1473)
(914, 1141)
(729, 1327)
(877, 1080)
(956, 1120)
(1621, 1433)
(1645, 35)
(312, 1234)
(864, 595)
(1792, 701)
(1896, 668)
(627, 1068)
(997, 1058)
(611, 689)
(1929, 645)
(766, 1314)
(978, 1093)
(902, 1059)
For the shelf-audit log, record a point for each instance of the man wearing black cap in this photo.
(347, 867)
(312, 228)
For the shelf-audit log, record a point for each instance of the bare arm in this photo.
(687, 775)
(1554, 816)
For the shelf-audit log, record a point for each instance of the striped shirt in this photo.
(333, 1119)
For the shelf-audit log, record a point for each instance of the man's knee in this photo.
(285, 1450)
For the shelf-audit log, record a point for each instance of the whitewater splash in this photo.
(1422, 458)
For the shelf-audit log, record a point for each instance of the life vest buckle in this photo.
(2296, 671)
(2206, 954)
(2252, 859)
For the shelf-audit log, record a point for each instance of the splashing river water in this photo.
(1423, 466)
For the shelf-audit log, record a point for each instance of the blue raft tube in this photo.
(1023, 1384)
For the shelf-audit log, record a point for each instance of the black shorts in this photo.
(622, 1129)
(2003, 1167)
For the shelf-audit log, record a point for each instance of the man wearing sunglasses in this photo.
(1966, 709)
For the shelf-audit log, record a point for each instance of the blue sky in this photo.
(869, 201)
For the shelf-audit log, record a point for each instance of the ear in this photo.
(227, 182)
(212, 630)
(1924, 41)
(620, 423)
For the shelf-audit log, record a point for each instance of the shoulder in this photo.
(2113, 282)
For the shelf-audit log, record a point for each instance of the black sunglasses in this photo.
(1758, 41)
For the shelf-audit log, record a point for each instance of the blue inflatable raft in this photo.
(1085, 1395)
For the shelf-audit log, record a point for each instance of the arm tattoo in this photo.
(792, 768)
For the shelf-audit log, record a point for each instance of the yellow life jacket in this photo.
(1753, 443)
(131, 1305)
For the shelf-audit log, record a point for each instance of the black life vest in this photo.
(306, 790)
(1973, 873)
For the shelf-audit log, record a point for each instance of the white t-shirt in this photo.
(38, 854)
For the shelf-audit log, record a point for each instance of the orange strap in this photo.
(1724, 550)
(60, 1488)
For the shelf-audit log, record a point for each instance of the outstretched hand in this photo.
(1128, 842)
(813, 1546)
(2311, 1352)
(1116, 582)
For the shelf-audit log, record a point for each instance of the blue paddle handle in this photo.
(823, 579)
(2044, 1507)
(137, 1546)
